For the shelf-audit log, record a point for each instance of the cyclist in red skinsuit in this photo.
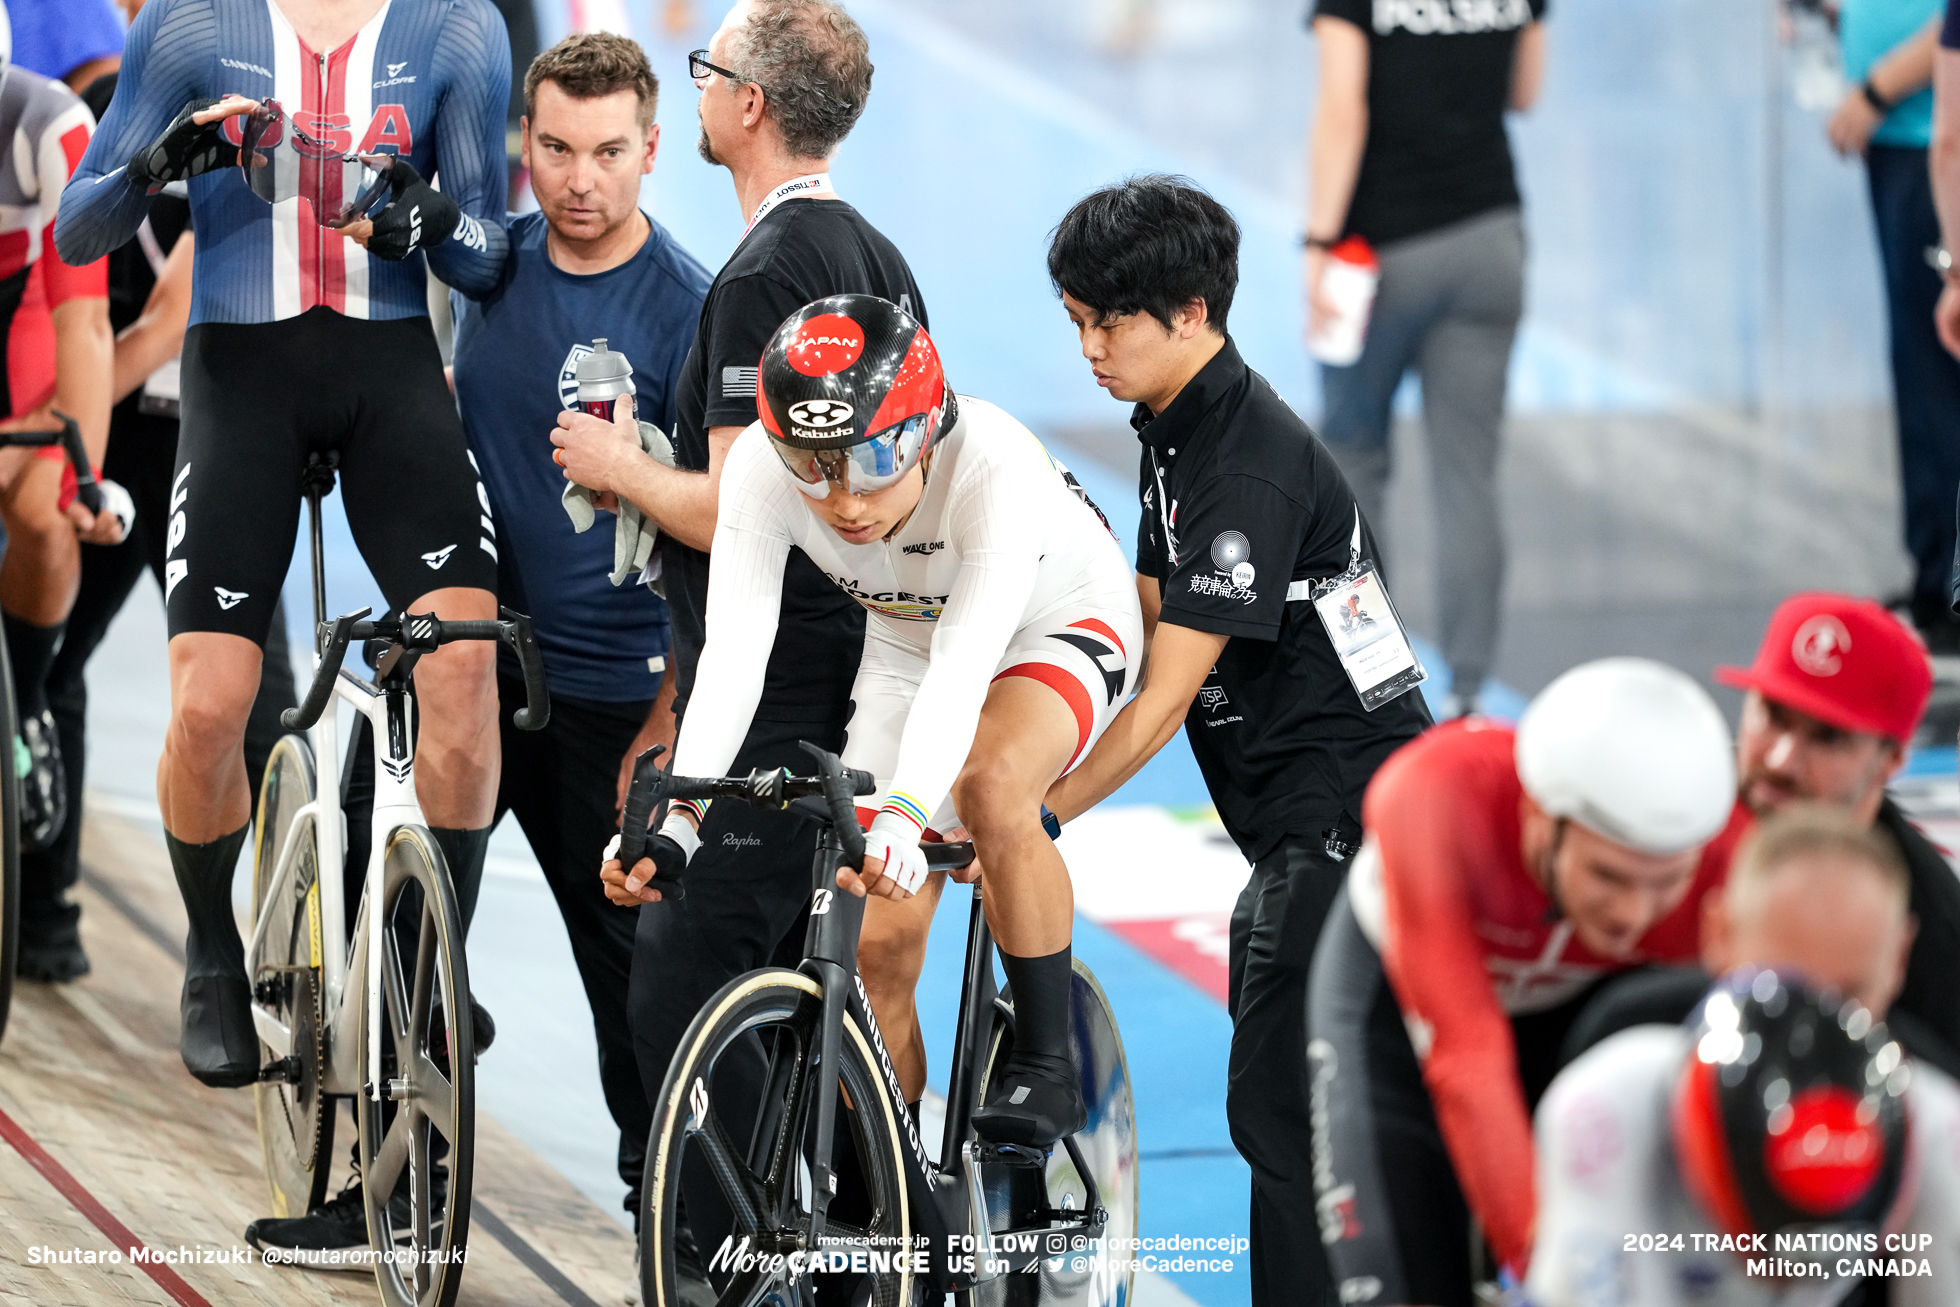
(1503, 875)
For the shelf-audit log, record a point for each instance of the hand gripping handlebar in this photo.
(408, 637)
(88, 490)
(824, 797)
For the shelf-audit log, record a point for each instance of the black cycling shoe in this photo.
(43, 785)
(325, 1236)
(484, 1028)
(217, 1041)
(55, 960)
(1038, 1101)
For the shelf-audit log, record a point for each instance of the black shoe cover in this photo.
(482, 1027)
(1037, 1101)
(217, 1041)
(55, 961)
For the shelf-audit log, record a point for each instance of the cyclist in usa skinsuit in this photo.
(309, 339)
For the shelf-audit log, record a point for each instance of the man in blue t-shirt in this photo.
(1888, 117)
(589, 264)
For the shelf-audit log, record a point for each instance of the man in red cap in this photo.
(1834, 695)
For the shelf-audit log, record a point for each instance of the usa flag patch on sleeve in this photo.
(738, 383)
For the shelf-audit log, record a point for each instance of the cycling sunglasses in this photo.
(861, 469)
(281, 161)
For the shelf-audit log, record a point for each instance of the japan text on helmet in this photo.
(1633, 750)
(1790, 1109)
(850, 391)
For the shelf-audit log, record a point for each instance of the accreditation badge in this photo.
(1366, 632)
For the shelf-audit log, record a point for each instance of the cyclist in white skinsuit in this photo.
(1611, 1188)
(1001, 575)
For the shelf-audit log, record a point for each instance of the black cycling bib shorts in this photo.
(258, 398)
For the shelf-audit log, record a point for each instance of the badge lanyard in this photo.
(816, 181)
(1366, 632)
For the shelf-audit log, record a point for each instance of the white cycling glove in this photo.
(117, 503)
(896, 841)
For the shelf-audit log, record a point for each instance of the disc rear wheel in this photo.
(295, 1119)
(418, 1144)
(1107, 1146)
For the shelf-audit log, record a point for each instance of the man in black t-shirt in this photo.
(776, 99)
(1243, 513)
(1409, 154)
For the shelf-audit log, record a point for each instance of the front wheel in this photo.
(417, 1144)
(1107, 1147)
(762, 1029)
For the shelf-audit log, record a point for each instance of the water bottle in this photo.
(603, 376)
(1349, 281)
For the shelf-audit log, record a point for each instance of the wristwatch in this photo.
(1051, 823)
(1873, 98)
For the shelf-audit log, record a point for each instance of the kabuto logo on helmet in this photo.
(820, 413)
(826, 345)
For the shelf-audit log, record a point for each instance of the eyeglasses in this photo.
(698, 67)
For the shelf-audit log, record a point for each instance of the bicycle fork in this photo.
(836, 920)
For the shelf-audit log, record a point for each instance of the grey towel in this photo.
(633, 533)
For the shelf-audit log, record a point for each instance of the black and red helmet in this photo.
(851, 392)
(1790, 1110)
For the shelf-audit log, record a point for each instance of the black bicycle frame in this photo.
(946, 1196)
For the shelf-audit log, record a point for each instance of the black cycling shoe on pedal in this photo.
(43, 784)
(1037, 1101)
(217, 1041)
(323, 1238)
(482, 1026)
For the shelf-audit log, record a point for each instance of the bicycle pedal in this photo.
(1012, 1154)
(286, 1068)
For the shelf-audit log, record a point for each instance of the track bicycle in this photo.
(88, 491)
(379, 1013)
(833, 1179)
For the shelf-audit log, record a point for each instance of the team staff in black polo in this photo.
(781, 84)
(1240, 503)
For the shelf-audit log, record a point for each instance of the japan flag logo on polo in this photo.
(1820, 645)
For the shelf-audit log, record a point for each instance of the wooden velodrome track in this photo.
(106, 1142)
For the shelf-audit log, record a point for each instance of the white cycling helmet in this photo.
(1632, 749)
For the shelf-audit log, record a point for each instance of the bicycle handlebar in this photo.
(835, 784)
(421, 633)
(69, 436)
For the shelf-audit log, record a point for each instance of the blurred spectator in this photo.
(149, 307)
(1835, 693)
(1946, 176)
(74, 41)
(1409, 152)
(1888, 117)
